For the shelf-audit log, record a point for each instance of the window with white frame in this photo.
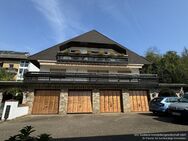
(22, 69)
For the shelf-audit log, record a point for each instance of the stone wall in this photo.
(126, 101)
(153, 93)
(28, 99)
(63, 101)
(96, 101)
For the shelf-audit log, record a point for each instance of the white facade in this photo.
(32, 67)
(24, 67)
(15, 111)
(49, 67)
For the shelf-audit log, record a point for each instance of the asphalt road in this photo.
(110, 127)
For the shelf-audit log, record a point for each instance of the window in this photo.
(83, 50)
(172, 99)
(57, 70)
(98, 71)
(94, 52)
(124, 71)
(66, 58)
(72, 51)
(106, 52)
(183, 100)
(25, 71)
(100, 59)
(20, 71)
(11, 66)
(24, 64)
(112, 60)
(157, 99)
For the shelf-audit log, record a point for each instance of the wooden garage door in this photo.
(139, 101)
(110, 101)
(46, 102)
(79, 102)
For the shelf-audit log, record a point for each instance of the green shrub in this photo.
(25, 135)
(13, 93)
(6, 76)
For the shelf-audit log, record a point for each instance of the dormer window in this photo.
(124, 71)
(106, 52)
(94, 52)
(72, 51)
(83, 50)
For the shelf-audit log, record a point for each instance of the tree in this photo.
(184, 62)
(5, 76)
(154, 57)
(167, 93)
(171, 68)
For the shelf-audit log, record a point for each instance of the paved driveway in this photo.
(97, 127)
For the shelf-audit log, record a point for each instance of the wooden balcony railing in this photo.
(94, 59)
(90, 78)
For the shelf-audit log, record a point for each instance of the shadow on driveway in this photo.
(146, 114)
(164, 136)
(181, 121)
(167, 118)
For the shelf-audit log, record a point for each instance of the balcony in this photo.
(91, 78)
(92, 59)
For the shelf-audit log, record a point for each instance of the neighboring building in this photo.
(88, 74)
(15, 63)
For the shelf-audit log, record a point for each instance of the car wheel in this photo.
(167, 112)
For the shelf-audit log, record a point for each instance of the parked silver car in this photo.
(161, 104)
(179, 108)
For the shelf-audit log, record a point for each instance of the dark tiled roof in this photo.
(93, 37)
(13, 55)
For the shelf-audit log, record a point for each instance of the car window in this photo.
(172, 99)
(183, 100)
(185, 95)
(157, 99)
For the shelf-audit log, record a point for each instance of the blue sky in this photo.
(33, 25)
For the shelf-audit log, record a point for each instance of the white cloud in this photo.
(62, 23)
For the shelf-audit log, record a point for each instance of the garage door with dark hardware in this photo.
(110, 101)
(46, 102)
(138, 101)
(79, 102)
